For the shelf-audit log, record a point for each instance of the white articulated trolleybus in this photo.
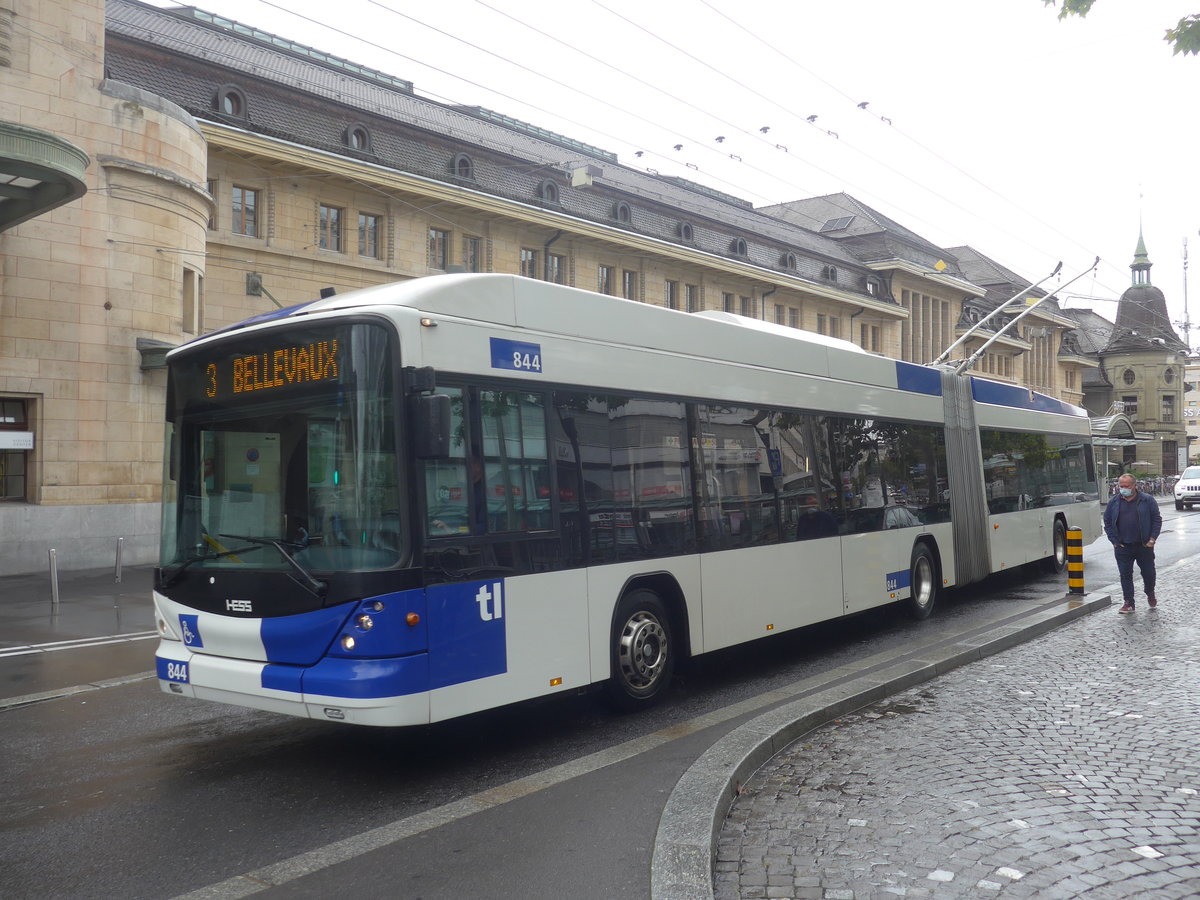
(425, 499)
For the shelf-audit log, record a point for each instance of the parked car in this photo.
(1187, 488)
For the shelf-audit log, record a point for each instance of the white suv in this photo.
(1187, 488)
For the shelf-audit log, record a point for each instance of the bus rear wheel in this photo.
(922, 582)
(643, 651)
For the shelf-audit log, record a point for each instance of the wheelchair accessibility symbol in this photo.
(190, 627)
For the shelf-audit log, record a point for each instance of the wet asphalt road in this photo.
(125, 791)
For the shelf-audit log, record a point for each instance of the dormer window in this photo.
(622, 212)
(829, 273)
(788, 261)
(547, 191)
(686, 232)
(358, 138)
(463, 167)
(230, 101)
(738, 247)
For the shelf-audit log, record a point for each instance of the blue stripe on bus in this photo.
(462, 626)
(301, 640)
(918, 379)
(997, 394)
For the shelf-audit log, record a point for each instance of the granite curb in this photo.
(682, 864)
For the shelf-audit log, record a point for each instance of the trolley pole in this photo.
(1075, 561)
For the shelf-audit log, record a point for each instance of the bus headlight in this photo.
(348, 642)
(364, 622)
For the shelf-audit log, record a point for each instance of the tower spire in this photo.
(1141, 261)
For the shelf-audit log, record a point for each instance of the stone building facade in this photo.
(228, 171)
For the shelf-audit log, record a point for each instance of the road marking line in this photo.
(30, 699)
(51, 647)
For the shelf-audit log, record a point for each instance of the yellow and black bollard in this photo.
(1075, 561)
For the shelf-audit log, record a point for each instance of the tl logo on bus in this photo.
(491, 601)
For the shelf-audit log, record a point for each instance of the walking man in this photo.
(1132, 522)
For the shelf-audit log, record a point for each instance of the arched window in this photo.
(622, 212)
(357, 137)
(738, 247)
(1169, 376)
(230, 100)
(686, 232)
(1128, 377)
(788, 261)
(829, 273)
(547, 191)
(462, 166)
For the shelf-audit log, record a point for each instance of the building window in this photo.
(358, 138)
(472, 259)
(692, 296)
(212, 219)
(1168, 407)
(1170, 457)
(829, 273)
(529, 263)
(788, 261)
(231, 101)
(547, 191)
(192, 296)
(622, 212)
(629, 285)
(463, 167)
(15, 443)
(1070, 374)
(835, 327)
(793, 317)
(1131, 406)
(606, 280)
(671, 295)
(686, 232)
(727, 301)
(368, 235)
(556, 268)
(329, 225)
(738, 247)
(747, 307)
(244, 211)
(778, 313)
(1169, 376)
(1128, 377)
(438, 249)
(869, 337)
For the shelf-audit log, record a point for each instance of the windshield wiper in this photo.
(314, 586)
(200, 557)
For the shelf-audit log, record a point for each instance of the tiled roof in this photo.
(295, 97)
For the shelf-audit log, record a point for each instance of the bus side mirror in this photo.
(430, 426)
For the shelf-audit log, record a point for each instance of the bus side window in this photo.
(447, 481)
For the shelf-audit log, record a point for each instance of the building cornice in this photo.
(240, 141)
(911, 268)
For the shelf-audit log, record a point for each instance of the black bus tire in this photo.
(642, 652)
(1057, 560)
(923, 583)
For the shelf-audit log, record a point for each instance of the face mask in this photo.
(1126, 492)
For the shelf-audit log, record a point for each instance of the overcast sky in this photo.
(991, 124)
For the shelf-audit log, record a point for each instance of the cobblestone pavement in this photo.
(1064, 768)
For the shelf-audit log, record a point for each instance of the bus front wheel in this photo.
(922, 582)
(643, 651)
(1057, 560)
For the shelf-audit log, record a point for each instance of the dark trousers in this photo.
(1127, 555)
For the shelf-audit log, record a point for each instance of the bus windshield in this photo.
(281, 454)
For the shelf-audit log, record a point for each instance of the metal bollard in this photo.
(117, 572)
(53, 580)
(1075, 561)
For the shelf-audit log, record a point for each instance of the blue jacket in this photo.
(1149, 517)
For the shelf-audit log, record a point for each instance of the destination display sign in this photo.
(263, 364)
